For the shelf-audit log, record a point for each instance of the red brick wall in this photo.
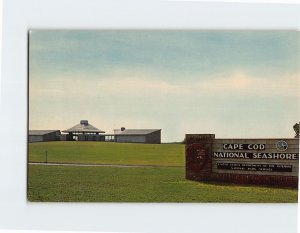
(287, 181)
(198, 159)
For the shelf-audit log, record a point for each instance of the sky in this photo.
(234, 84)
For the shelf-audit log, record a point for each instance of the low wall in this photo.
(245, 161)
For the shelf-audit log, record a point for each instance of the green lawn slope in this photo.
(111, 184)
(108, 153)
(130, 184)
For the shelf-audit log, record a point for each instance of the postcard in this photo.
(163, 116)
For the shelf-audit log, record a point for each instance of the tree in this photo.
(296, 128)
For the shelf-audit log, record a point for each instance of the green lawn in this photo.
(110, 184)
(108, 153)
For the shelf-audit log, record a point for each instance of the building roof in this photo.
(83, 127)
(41, 132)
(135, 131)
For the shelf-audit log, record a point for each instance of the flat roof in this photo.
(41, 132)
(135, 131)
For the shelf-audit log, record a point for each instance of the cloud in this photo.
(237, 82)
(242, 83)
(234, 81)
(136, 85)
(149, 101)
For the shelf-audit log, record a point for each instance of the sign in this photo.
(244, 161)
(253, 156)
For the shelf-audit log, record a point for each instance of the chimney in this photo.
(122, 128)
(84, 122)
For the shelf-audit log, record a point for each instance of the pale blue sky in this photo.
(231, 83)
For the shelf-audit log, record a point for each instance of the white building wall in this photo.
(131, 138)
(90, 137)
(35, 138)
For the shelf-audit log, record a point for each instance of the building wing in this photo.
(40, 132)
(134, 131)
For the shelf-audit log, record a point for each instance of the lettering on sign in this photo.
(250, 155)
(255, 167)
(237, 146)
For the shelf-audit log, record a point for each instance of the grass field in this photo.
(108, 153)
(114, 184)
(109, 184)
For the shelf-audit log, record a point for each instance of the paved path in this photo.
(97, 165)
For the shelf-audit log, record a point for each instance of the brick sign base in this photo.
(200, 164)
(286, 181)
(198, 159)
